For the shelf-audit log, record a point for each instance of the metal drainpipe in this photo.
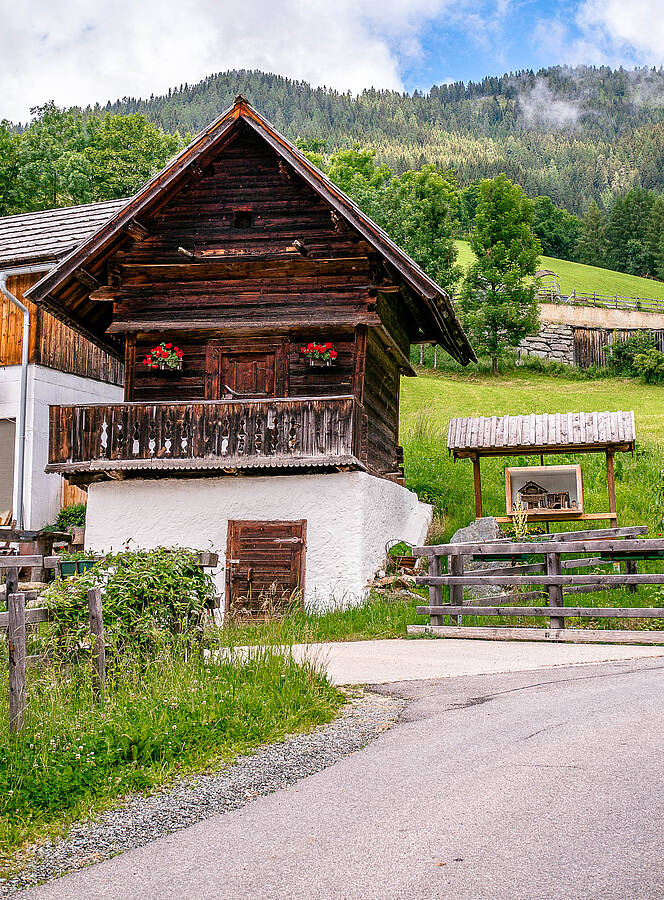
(19, 467)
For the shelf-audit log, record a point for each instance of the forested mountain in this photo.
(575, 134)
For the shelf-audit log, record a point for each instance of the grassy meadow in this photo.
(586, 279)
(430, 400)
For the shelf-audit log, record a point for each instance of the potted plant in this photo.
(319, 354)
(165, 356)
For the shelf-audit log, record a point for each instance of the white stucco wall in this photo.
(42, 492)
(350, 517)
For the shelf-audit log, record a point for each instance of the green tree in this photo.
(498, 305)
(591, 247)
(420, 212)
(11, 196)
(557, 230)
(123, 153)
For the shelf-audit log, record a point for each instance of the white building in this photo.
(62, 366)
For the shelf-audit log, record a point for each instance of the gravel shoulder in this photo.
(143, 819)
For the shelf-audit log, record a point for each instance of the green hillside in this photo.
(586, 279)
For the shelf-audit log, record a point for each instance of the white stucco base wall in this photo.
(350, 517)
(42, 493)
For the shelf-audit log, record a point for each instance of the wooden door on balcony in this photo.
(247, 373)
(265, 563)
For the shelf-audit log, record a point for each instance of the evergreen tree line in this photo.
(67, 157)
(573, 134)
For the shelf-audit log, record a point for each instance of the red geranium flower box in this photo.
(319, 354)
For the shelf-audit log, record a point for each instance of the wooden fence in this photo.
(552, 575)
(590, 344)
(616, 301)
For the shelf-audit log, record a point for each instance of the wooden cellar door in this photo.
(265, 564)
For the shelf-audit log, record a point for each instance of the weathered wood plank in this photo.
(563, 635)
(98, 640)
(581, 612)
(17, 654)
(516, 580)
(32, 616)
(501, 548)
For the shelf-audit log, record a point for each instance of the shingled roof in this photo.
(50, 234)
(66, 298)
(548, 432)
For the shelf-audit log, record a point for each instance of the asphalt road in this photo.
(537, 785)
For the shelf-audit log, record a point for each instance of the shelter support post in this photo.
(611, 482)
(477, 478)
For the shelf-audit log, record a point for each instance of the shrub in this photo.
(650, 365)
(620, 356)
(148, 597)
(71, 517)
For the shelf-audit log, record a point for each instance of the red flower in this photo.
(303, 349)
(155, 366)
(328, 346)
(178, 353)
(333, 354)
(168, 346)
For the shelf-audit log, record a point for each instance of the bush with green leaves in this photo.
(148, 598)
(650, 365)
(71, 517)
(620, 356)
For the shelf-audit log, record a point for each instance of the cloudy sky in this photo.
(83, 51)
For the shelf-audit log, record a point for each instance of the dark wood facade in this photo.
(239, 254)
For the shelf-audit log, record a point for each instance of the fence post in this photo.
(98, 642)
(456, 566)
(435, 590)
(554, 567)
(11, 581)
(421, 354)
(16, 641)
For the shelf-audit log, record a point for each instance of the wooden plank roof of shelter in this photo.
(50, 234)
(62, 293)
(545, 433)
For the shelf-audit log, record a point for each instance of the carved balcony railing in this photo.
(223, 435)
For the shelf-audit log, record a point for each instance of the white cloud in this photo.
(635, 27)
(609, 32)
(79, 52)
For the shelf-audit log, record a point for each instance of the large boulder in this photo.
(481, 531)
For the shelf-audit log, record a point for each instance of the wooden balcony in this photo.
(223, 436)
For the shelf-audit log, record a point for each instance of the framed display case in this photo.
(549, 491)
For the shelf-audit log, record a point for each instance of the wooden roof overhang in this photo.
(526, 435)
(66, 290)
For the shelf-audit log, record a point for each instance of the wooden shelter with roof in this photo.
(541, 435)
(241, 253)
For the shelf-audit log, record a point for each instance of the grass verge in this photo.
(167, 716)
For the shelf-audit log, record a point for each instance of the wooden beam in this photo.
(611, 483)
(86, 278)
(568, 635)
(603, 580)
(16, 641)
(511, 548)
(477, 482)
(136, 231)
(572, 612)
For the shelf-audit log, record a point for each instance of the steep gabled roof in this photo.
(54, 290)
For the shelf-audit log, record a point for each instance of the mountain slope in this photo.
(574, 134)
(587, 279)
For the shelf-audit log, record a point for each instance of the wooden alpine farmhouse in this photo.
(237, 261)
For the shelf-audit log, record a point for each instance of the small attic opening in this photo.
(243, 218)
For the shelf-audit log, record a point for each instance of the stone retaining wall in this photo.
(553, 342)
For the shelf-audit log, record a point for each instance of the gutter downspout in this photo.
(19, 468)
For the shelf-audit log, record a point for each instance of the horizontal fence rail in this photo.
(615, 546)
(229, 433)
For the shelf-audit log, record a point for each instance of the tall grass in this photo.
(165, 715)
